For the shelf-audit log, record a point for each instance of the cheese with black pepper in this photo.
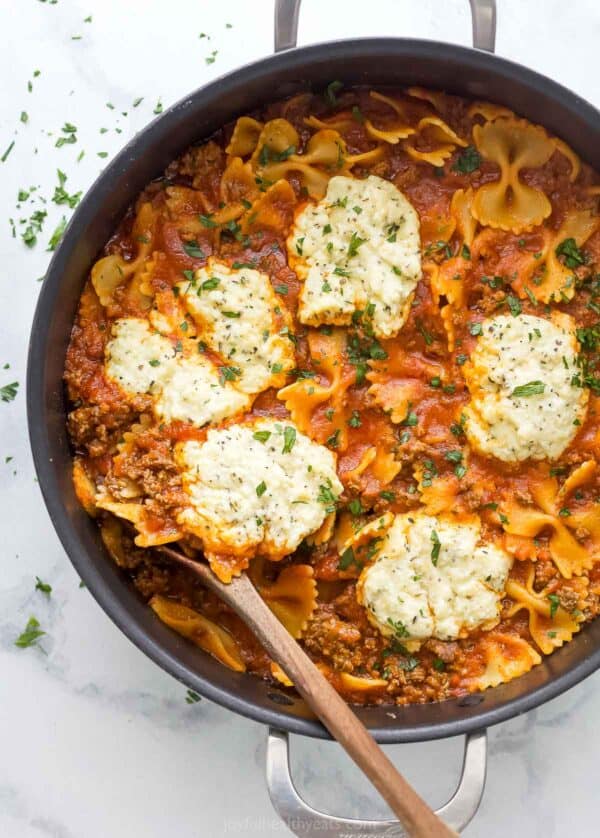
(259, 487)
(522, 378)
(183, 384)
(433, 577)
(357, 248)
(237, 313)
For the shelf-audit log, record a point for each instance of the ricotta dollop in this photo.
(358, 247)
(433, 577)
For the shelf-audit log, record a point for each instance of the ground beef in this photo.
(545, 572)
(93, 430)
(334, 640)
(445, 651)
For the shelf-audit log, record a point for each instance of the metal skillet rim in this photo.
(37, 395)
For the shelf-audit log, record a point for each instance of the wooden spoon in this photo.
(241, 595)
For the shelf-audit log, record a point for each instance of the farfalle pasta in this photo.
(350, 345)
(510, 203)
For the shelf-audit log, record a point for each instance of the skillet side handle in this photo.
(307, 822)
(483, 14)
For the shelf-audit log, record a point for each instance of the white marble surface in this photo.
(96, 740)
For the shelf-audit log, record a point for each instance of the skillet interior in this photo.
(374, 61)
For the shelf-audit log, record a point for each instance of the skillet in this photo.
(475, 73)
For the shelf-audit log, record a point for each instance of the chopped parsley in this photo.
(9, 391)
(334, 440)
(573, 255)
(347, 559)
(435, 550)
(398, 627)
(355, 243)
(229, 373)
(411, 419)
(439, 247)
(355, 507)
(192, 697)
(454, 456)
(514, 305)
(210, 284)
(57, 234)
(354, 421)
(429, 472)
(261, 436)
(193, 250)
(44, 587)
(427, 336)
(261, 488)
(268, 155)
(554, 603)
(467, 161)
(289, 439)
(7, 152)
(327, 497)
(331, 91)
(532, 388)
(61, 196)
(30, 635)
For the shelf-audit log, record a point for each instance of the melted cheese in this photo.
(235, 311)
(136, 358)
(250, 492)
(433, 578)
(183, 384)
(358, 247)
(537, 355)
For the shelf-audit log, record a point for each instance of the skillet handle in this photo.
(483, 14)
(307, 822)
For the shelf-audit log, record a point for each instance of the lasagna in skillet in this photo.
(350, 345)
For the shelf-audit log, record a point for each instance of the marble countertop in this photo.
(96, 740)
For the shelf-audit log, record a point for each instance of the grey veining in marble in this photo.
(97, 742)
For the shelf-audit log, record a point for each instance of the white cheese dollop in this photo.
(357, 247)
(236, 312)
(254, 488)
(433, 577)
(183, 383)
(523, 402)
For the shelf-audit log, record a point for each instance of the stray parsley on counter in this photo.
(30, 635)
(9, 391)
(44, 587)
(57, 234)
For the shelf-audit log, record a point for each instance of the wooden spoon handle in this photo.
(241, 595)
